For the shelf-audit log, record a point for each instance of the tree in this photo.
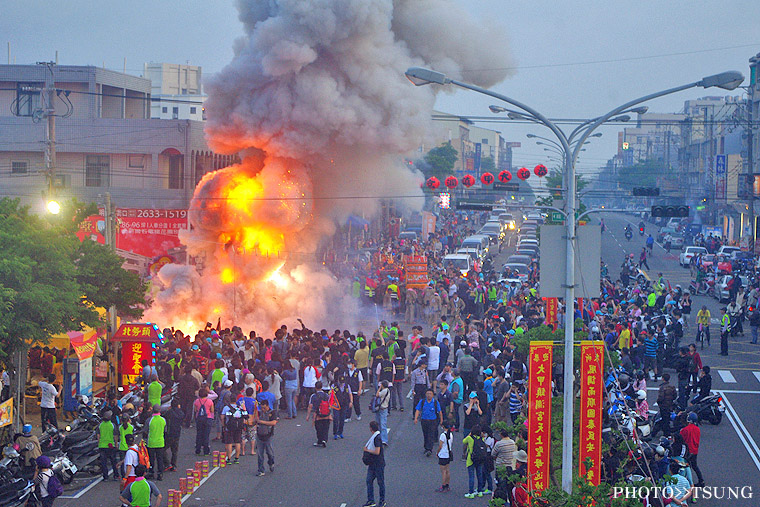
(643, 174)
(50, 283)
(487, 165)
(440, 161)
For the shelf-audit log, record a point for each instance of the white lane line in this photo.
(201, 483)
(746, 438)
(757, 375)
(727, 376)
(729, 391)
(343, 505)
(85, 490)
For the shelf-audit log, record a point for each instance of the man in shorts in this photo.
(233, 421)
(249, 429)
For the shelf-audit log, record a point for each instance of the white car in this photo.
(727, 250)
(721, 286)
(690, 251)
(474, 253)
(459, 261)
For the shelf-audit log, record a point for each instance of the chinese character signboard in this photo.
(416, 269)
(720, 176)
(138, 342)
(590, 446)
(552, 311)
(478, 155)
(539, 415)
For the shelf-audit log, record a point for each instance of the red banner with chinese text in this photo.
(540, 412)
(132, 355)
(552, 312)
(592, 362)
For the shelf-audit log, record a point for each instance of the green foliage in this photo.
(643, 174)
(46, 286)
(441, 160)
(487, 165)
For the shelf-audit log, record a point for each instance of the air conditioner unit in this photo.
(62, 181)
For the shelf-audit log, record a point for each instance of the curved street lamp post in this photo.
(420, 76)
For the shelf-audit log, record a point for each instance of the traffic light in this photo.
(646, 191)
(670, 211)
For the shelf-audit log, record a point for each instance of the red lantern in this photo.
(433, 183)
(451, 182)
(468, 180)
(523, 173)
(540, 170)
(505, 176)
(486, 178)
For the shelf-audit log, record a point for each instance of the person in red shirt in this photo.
(691, 435)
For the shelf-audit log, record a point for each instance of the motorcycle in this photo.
(710, 409)
(16, 492)
(628, 235)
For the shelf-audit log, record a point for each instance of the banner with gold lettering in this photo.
(592, 363)
(540, 413)
(552, 312)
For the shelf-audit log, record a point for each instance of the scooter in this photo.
(628, 235)
(15, 492)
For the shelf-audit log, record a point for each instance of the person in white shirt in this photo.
(47, 404)
(443, 333)
(445, 456)
(131, 458)
(433, 360)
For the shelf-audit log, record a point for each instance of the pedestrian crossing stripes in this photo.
(729, 378)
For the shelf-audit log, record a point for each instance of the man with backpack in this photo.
(476, 453)
(140, 491)
(428, 412)
(233, 419)
(48, 486)
(131, 460)
(204, 414)
(319, 404)
(266, 420)
(374, 457)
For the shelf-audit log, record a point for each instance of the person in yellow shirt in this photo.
(624, 341)
(703, 326)
(361, 357)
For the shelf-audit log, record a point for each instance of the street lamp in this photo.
(53, 207)
(726, 80)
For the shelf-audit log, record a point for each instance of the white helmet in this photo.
(641, 394)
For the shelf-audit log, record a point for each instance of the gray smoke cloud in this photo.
(316, 103)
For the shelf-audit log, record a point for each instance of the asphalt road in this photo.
(335, 476)
(729, 454)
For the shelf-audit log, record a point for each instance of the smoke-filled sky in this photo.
(548, 40)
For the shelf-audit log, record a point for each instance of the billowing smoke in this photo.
(316, 104)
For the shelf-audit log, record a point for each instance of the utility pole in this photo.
(49, 113)
(750, 183)
(110, 220)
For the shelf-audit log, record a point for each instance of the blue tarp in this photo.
(357, 221)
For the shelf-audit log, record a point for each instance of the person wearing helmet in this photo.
(42, 476)
(642, 407)
(691, 436)
(23, 440)
(660, 464)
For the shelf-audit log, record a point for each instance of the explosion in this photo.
(316, 105)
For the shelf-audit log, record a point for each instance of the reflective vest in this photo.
(492, 294)
(140, 491)
(369, 291)
(154, 393)
(156, 428)
(123, 432)
(393, 289)
(106, 435)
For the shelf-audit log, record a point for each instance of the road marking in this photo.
(757, 375)
(746, 438)
(85, 490)
(343, 505)
(729, 391)
(727, 376)
(201, 483)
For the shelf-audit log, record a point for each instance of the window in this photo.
(192, 110)
(19, 167)
(164, 109)
(97, 171)
(27, 99)
(176, 172)
(484, 141)
(184, 91)
(137, 161)
(175, 113)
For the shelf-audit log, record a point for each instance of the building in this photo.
(176, 91)
(656, 136)
(472, 143)
(105, 139)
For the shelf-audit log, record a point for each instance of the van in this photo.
(408, 235)
(477, 241)
(459, 261)
(508, 220)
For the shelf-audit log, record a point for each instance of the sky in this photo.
(572, 59)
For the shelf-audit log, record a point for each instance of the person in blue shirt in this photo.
(266, 395)
(428, 413)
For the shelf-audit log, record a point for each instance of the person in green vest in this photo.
(139, 492)
(125, 429)
(218, 374)
(156, 443)
(651, 299)
(493, 293)
(356, 289)
(107, 446)
(155, 388)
